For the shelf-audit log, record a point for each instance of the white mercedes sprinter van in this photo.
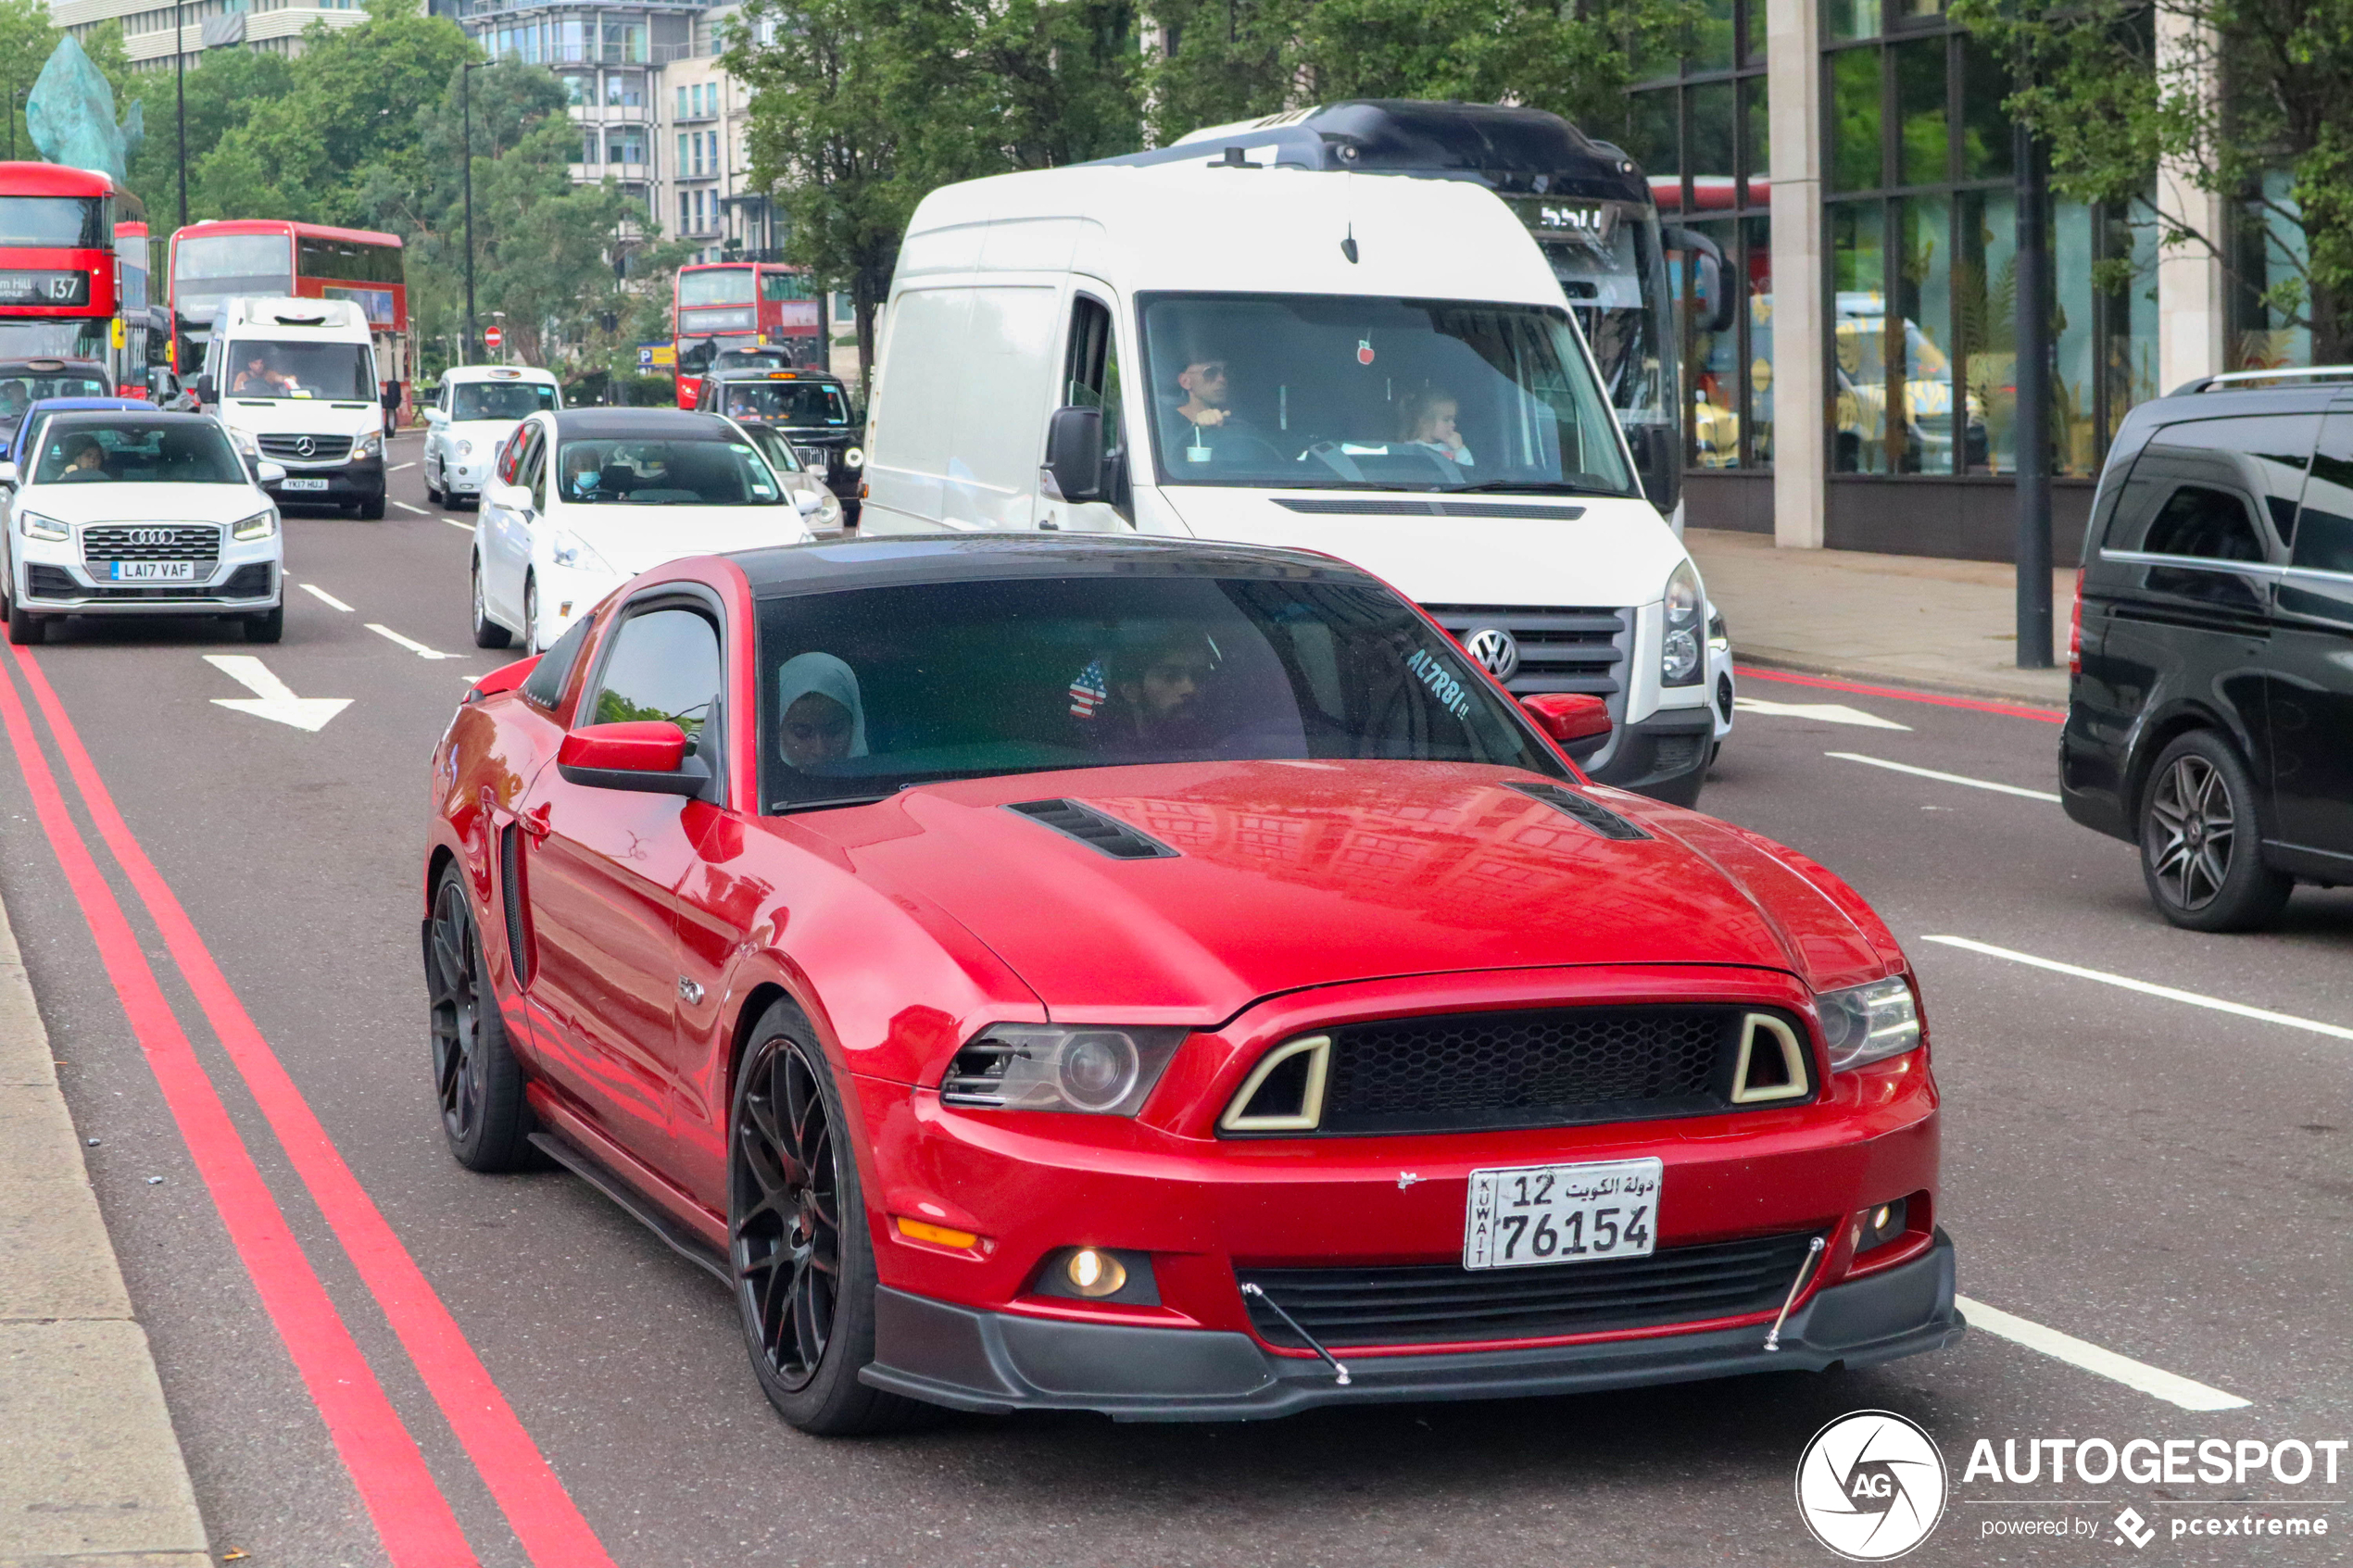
(294, 382)
(1383, 370)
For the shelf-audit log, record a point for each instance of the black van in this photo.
(2210, 705)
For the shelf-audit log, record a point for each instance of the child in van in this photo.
(1425, 419)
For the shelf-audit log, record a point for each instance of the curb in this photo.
(1798, 664)
(92, 1472)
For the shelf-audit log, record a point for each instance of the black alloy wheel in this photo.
(488, 633)
(266, 627)
(798, 1243)
(2201, 841)
(477, 1082)
(434, 493)
(24, 627)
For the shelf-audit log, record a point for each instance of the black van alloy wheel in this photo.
(2200, 843)
(797, 1245)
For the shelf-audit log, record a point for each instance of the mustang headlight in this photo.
(35, 526)
(1867, 1023)
(1097, 1068)
(571, 550)
(258, 526)
(1680, 655)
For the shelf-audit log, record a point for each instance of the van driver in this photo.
(1205, 385)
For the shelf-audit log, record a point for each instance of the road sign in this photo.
(494, 336)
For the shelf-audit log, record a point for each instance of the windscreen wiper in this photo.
(783, 807)
(1530, 486)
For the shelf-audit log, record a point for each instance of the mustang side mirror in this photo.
(1568, 715)
(1075, 454)
(646, 755)
(267, 472)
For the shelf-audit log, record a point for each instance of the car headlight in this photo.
(1679, 661)
(258, 526)
(1867, 1023)
(465, 448)
(245, 443)
(571, 550)
(853, 458)
(370, 444)
(35, 526)
(1099, 1070)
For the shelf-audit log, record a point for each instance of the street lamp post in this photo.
(466, 95)
(179, 92)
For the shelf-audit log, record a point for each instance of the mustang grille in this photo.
(324, 448)
(1449, 1305)
(1539, 1068)
(152, 541)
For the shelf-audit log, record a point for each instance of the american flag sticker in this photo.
(1088, 692)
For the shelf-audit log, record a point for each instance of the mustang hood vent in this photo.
(1592, 813)
(1090, 827)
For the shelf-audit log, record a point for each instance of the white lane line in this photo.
(406, 508)
(1822, 712)
(1943, 778)
(2261, 1015)
(2171, 1387)
(397, 466)
(272, 698)
(315, 591)
(455, 523)
(412, 646)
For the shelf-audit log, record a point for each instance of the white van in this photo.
(469, 420)
(294, 382)
(1383, 370)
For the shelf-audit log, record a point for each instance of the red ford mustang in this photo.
(1165, 980)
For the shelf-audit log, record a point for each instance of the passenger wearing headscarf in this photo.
(821, 718)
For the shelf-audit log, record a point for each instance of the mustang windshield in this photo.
(1346, 393)
(866, 691)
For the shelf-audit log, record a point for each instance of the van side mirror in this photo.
(1568, 715)
(1075, 454)
(205, 390)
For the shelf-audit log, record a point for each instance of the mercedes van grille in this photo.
(323, 448)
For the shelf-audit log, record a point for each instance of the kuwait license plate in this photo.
(153, 572)
(303, 484)
(1524, 1215)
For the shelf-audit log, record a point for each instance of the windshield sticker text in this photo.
(1444, 687)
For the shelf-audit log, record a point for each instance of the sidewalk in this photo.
(91, 1474)
(1917, 621)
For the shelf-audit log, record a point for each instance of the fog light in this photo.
(1094, 1274)
(1876, 1227)
(1878, 1221)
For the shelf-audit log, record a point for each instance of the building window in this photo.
(1698, 126)
(588, 153)
(683, 212)
(2267, 246)
(1921, 243)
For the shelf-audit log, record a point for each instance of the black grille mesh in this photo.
(1537, 1068)
(1444, 1304)
(323, 448)
(151, 542)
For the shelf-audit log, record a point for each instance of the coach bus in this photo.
(233, 258)
(73, 269)
(741, 305)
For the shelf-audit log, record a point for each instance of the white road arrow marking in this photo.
(411, 644)
(272, 698)
(1827, 712)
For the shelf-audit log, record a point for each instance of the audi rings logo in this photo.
(152, 537)
(305, 446)
(1871, 1486)
(1496, 648)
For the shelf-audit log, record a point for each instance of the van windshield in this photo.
(501, 400)
(1351, 393)
(258, 367)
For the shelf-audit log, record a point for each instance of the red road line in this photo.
(545, 1519)
(413, 1519)
(1975, 705)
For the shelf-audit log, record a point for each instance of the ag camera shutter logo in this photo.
(1871, 1486)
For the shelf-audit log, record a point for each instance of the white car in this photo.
(774, 446)
(600, 495)
(477, 408)
(140, 513)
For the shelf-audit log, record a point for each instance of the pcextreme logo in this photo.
(1871, 1486)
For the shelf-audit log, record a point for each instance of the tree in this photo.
(2242, 89)
(224, 89)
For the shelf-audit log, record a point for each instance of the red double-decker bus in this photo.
(73, 254)
(724, 305)
(277, 258)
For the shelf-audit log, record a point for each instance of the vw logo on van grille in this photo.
(306, 446)
(1494, 648)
